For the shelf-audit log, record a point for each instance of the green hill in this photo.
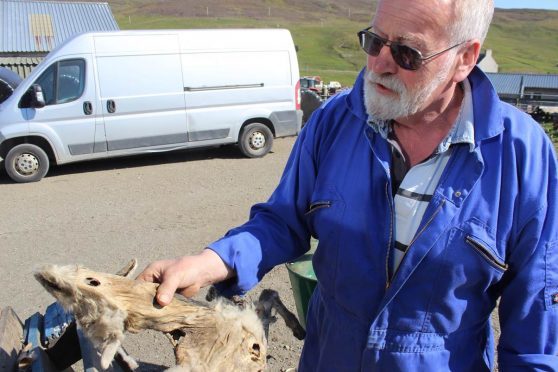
(325, 31)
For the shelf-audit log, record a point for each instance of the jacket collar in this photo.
(487, 114)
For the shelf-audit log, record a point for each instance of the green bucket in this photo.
(303, 281)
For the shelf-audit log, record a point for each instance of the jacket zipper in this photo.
(390, 240)
(318, 205)
(486, 254)
(418, 234)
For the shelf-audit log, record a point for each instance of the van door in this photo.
(141, 91)
(69, 91)
(223, 89)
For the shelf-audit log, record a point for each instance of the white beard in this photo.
(406, 103)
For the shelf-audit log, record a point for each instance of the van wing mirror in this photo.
(33, 98)
(37, 96)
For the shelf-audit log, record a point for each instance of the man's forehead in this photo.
(412, 20)
(434, 3)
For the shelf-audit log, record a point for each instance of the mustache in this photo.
(390, 82)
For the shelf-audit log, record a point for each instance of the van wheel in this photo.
(256, 140)
(26, 163)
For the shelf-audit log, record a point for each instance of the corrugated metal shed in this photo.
(20, 65)
(39, 26)
(541, 81)
(526, 89)
(506, 84)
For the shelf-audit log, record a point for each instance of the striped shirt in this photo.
(413, 188)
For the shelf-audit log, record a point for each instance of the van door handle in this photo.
(111, 106)
(87, 108)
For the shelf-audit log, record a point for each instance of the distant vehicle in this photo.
(333, 87)
(101, 95)
(310, 83)
(311, 91)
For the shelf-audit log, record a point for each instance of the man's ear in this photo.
(467, 58)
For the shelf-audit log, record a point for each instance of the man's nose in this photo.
(383, 63)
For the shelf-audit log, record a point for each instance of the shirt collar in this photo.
(463, 130)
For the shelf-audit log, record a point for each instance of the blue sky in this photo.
(531, 4)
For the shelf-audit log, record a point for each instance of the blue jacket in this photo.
(489, 231)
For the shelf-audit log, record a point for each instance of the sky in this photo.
(530, 4)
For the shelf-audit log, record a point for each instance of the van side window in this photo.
(63, 82)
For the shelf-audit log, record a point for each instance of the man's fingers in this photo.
(146, 276)
(166, 290)
(152, 273)
(172, 275)
(190, 291)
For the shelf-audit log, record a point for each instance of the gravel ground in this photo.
(101, 214)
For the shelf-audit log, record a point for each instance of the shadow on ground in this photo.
(143, 160)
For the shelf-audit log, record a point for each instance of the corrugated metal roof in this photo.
(39, 26)
(515, 84)
(20, 65)
(508, 84)
(541, 81)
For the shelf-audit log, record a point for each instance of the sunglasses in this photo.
(406, 57)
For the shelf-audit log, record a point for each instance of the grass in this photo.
(528, 45)
(522, 41)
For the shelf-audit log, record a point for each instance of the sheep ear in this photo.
(108, 352)
(129, 269)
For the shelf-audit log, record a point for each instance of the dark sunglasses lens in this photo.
(406, 57)
(370, 43)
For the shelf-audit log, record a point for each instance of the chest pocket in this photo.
(325, 212)
(324, 218)
(472, 263)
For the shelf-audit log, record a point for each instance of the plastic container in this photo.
(303, 281)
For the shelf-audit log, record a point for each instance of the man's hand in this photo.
(185, 275)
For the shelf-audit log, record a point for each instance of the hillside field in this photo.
(325, 31)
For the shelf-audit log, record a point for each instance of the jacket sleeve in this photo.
(529, 304)
(276, 231)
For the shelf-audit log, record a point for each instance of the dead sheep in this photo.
(224, 336)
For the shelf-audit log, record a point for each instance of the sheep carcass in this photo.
(205, 338)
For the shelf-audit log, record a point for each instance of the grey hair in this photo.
(472, 20)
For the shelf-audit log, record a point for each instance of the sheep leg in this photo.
(270, 299)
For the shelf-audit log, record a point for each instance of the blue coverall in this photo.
(490, 230)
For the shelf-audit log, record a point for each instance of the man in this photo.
(430, 199)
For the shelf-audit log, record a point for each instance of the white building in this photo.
(486, 62)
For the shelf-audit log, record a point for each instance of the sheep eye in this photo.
(93, 282)
(256, 349)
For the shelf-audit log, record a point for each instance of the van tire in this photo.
(26, 163)
(256, 140)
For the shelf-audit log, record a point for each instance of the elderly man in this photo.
(430, 198)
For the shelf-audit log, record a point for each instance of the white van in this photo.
(108, 94)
